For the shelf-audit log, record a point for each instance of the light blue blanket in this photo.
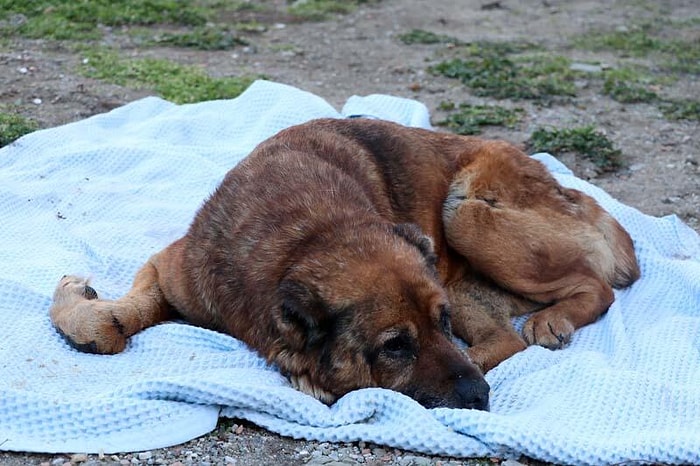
(99, 196)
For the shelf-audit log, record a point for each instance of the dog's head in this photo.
(368, 311)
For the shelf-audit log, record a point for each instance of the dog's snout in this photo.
(473, 393)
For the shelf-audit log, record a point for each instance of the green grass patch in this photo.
(71, 19)
(174, 82)
(13, 126)
(470, 119)
(585, 141)
(202, 38)
(647, 40)
(499, 71)
(628, 93)
(629, 86)
(681, 110)
(635, 42)
(421, 36)
(321, 10)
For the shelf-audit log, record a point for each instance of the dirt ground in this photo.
(359, 53)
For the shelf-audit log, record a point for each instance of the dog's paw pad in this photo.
(552, 332)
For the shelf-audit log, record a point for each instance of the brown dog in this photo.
(347, 251)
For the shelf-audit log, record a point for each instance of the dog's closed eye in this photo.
(400, 346)
(445, 320)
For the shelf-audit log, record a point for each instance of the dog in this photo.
(348, 252)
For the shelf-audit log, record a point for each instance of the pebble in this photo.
(312, 454)
(586, 68)
(79, 458)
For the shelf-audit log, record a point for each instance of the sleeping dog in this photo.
(348, 253)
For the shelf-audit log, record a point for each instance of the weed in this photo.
(627, 93)
(468, 119)
(13, 126)
(420, 36)
(490, 71)
(202, 38)
(681, 110)
(78, 20)
(177, 83)
(628, 86)
(683, 57)
(320, 10)
(584, 141)
(637, 42)
(644, 40)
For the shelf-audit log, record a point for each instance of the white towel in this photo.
(99, 196)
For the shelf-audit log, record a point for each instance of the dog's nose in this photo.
(474, 393)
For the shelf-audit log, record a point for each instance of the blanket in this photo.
(97, 197)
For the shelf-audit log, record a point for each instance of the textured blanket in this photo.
(98, 196)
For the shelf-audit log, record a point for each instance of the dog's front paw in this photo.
(85, 322)
(548, 329)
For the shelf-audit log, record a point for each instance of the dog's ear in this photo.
(302, 315)
(414, 235)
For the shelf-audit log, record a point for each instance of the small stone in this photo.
(79, 458)
(586, 68)
(145, 455)
(24, 70)
(512, 463)
(58, 461)
(37, 101)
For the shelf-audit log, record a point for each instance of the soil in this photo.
(359, 53)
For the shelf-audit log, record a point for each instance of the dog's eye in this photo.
(399, 346)
(445, 322)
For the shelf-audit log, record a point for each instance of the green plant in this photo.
(13, 126)
(681, 110)
(320, 10)
(585, 141)
(202, 38)
(420, 36)
(175, 82)
(627, 93)
(490, 69)
(78, 20)
(469, 119)
(680, 56)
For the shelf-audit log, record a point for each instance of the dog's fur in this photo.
(347, 251)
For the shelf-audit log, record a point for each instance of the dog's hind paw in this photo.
(548, 329)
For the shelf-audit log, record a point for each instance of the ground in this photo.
(627, 70)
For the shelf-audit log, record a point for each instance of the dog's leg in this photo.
(481, 317)
(545, 257)
(575, 305)
(95, 325)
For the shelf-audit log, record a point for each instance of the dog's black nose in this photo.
(474, 393)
